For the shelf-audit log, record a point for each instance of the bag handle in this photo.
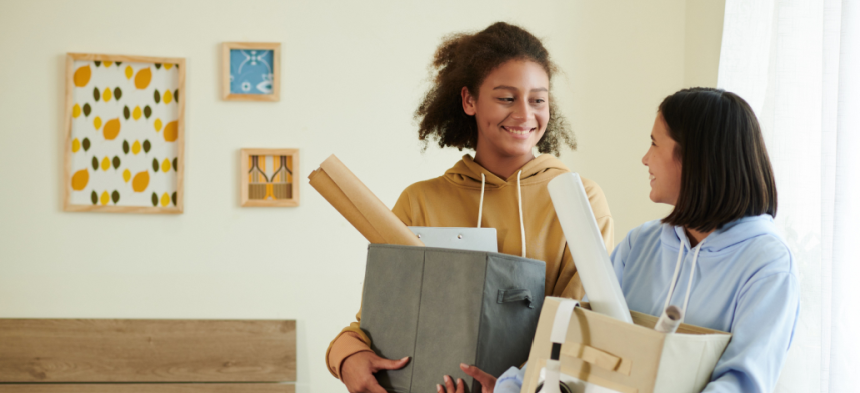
(515, 295)
(557, 337)
(596, 357)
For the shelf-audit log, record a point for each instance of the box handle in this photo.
(515, 295)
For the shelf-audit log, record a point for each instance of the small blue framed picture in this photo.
(251, 71)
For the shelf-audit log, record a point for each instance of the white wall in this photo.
(353, 73)
(703, 36)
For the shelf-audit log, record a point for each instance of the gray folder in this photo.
(444, 307)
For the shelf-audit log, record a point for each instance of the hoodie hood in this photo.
(467, 173)
(721, 240)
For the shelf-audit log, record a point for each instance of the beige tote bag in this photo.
(603, 354)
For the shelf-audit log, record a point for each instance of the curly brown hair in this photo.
(466, 60)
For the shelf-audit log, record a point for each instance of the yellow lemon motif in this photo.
(171, 131)
(165, 165)
(128, 72)
(97, 122)
(111, 129)
(157, 125)
(165, 199)
(135, 148)
(82, 76)
(76, 145)
(168, 66)
(126, 175)
(142, 79)
(140, 181)
(80, 179)
(106, 95)
(105, 198)
(108, 63)
(168, 96)
(136, 114)
(105, 164)
(76, 111)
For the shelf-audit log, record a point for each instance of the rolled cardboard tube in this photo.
(349, 196)
(670, 320)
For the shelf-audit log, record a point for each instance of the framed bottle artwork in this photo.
(269, 177)
(251, 71)
(124, 134)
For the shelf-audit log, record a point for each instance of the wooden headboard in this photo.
(147, 356)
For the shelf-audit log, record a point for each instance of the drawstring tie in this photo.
(678, 272)
(481, 204)
(519, 206)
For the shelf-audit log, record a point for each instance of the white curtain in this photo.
(797, 62)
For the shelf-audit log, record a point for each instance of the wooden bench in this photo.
(147, 356)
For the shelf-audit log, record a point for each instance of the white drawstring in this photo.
(678, 272)
(690, 284)
(674, 276)
(481, 204)
(520, 206)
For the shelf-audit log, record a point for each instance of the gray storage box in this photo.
(444, 307)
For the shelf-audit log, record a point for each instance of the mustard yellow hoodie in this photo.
(454, 200)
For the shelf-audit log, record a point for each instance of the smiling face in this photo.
(511, 110)
(663, 167)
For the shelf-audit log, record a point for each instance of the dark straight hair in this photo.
(725, 170)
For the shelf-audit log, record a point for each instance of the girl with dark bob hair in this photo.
(491, 94)
(717, 256)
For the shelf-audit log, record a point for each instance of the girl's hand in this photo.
(358, 369)
(487, 381)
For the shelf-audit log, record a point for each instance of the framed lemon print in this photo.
(124, 133)
(251, 71)
(269, 177)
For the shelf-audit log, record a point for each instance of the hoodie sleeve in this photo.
(762, 330)
(349, 341)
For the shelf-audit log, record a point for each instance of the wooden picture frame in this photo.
(248, 55)
(124, 134)
(269, 182)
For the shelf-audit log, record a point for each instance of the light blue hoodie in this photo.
(744, 281)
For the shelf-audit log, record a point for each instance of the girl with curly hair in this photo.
(491, 94)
